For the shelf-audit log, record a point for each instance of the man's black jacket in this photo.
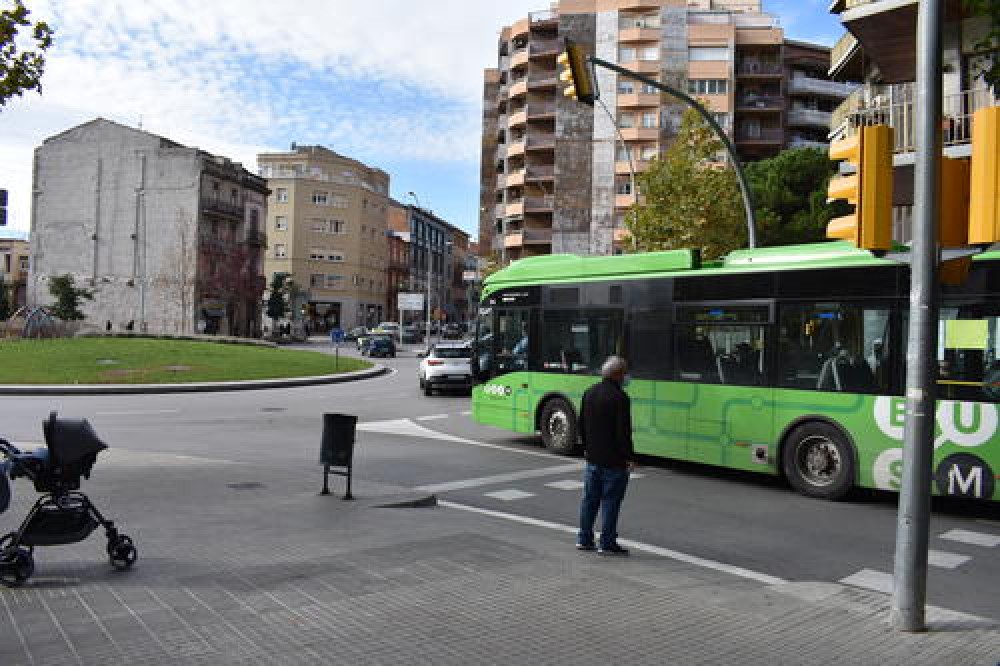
(606, 425)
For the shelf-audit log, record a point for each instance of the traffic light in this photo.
(984, 190)
(577, 73)
(953, 225)
(868, 189)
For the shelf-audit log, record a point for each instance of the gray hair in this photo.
(615, 365)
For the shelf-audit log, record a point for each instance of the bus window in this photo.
(834, 347)
(647, 345)
(511, 340)
(720, 344)
(483, 345)
(579, 341)
(968, 357)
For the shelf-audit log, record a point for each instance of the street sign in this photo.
(336, 335)
(410, 301)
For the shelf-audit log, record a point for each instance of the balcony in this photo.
(957, 111)
(541, 141)
(538, 204)
(809, 118)
(541, 109)
(634, 34)
(519, 88)
(514, 208)
(624, 200)
(799, 142)
(543, 172)
(807, 85)
(517, 118)
(845, 59)
(759, 70)
(546, 47)
(640, 133)
(642, 66)
(228, 209)
(513, 239)
(624, 167)
(544, 79)
(519, 58)
(759, 103)
(638, 100)
(514, 179)
(762, 135)
(531, 236)
(516, 147)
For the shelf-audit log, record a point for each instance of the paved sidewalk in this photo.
(248, 564)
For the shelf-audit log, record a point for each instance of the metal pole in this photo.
(740, 176)
(913, 522)
(429, 257)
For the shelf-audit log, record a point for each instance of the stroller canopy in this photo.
(71, 440)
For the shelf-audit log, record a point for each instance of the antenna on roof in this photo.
(140, 121)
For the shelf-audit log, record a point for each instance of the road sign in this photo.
(410, 301)
(336, 335)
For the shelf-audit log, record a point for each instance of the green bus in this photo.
(787, 361)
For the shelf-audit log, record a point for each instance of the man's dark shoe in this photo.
(585, 546)
(613, 549)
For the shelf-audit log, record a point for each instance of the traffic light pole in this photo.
(687, 99)
(913, 522)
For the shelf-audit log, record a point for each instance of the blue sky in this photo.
(396, 84)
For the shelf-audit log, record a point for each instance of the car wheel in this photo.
(818, 461)
(558, 425)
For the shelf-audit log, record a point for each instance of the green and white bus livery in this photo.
(782, 360)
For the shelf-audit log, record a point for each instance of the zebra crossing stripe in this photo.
(973, 538)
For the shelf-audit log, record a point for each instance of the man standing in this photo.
(606, 431)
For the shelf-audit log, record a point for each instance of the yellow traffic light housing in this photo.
(984, 191)
(953, 227)
(868, 189)
(577, 73)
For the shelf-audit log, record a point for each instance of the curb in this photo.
(199, 387)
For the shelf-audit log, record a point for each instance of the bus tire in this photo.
(818, 461)
(558, 426)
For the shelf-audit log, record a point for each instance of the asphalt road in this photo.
(410, 440)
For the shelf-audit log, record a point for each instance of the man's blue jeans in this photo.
(604, 488)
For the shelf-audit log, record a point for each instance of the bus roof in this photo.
(564, 268)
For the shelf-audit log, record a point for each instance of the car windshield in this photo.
(452, 352)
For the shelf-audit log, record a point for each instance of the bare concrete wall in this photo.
(118, 211)
(602, 212)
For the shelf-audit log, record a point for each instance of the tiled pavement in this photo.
(246, 564)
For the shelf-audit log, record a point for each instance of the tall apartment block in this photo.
(327, 230)
(879, 47)
(167, 236)
(557, 175)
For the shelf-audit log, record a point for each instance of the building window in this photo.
(320, 198)
(334, 281)
(708, 86)
(649, 119)
(317, 280)
(626, 87)
(338, 227)
(703, 53)
(649, 53)
(626, 54)
(280, 251)
(626, 120)
(280, 223)
(340, 201)
(281, 195)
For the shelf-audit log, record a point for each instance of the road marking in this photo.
(939, 558)
(879, 581)
(432, 417)
(974, 538)
(635, 475)
(147, 412)
(500, 478)
(508, 495)
(636, 545)
(565, 485)
(407, 428)
(467, 413)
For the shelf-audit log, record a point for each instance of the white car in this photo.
(447, 365)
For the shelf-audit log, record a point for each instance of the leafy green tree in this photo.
(988, 46)
(277, 302)
(789, 193)
(21, 70)
(690, 200)
(68, 297)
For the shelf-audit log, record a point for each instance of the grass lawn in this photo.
(149, 361)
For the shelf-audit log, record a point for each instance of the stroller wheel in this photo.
(122, 552)
(16, 566)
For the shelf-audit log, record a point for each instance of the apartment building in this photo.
(562, 172)
(327, 231)
(437, 253)
(14, 263)
(167, 236)
(879, 47)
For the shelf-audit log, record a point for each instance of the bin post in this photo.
(337, 448)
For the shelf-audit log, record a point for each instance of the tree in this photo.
(68, 297)
(789, 192)
(690, 200)
(988, 45)
(21, 70)
(277, 302)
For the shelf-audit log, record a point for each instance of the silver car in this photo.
(447, 365)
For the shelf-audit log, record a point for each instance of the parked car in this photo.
(446, 366)
(380, 345)
(390, 327)
(355, 333)
(452, 332)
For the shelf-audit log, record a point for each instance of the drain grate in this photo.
(245, 485)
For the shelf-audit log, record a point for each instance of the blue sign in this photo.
(336, 335)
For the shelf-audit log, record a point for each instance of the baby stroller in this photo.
(62, 515)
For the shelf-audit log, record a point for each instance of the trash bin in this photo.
(337, 447)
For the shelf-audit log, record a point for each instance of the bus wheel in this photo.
(559, 427)
(818, 461)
